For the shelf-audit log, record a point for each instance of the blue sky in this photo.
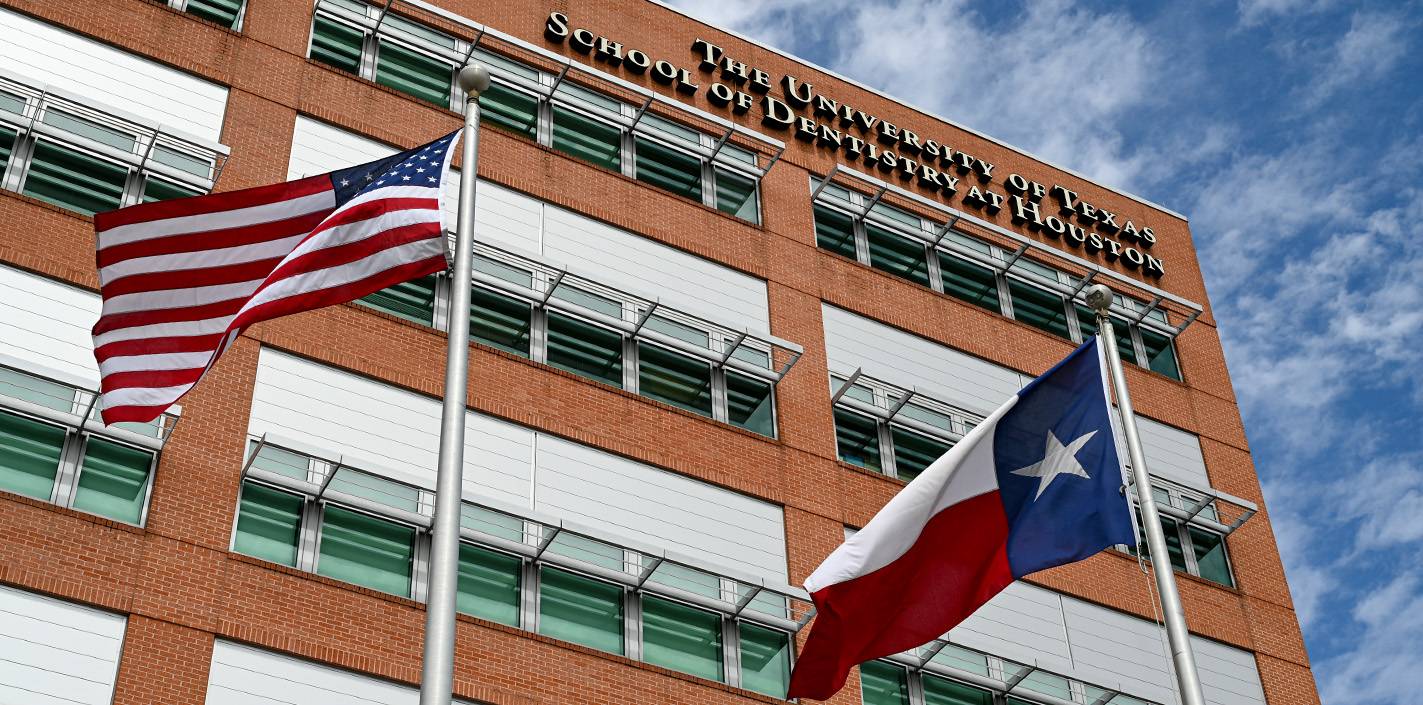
(1291, 133)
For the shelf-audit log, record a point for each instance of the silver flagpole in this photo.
(437, 671)
(1099, 297)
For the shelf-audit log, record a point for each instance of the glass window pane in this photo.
(36, 390)
(962, 659)
(11, 103)
(1040, 309)
(585, 349)
(858, 439)
(377, 489)
(1210, 557)
(898, 255)
(765, 660)
(1087, 322)
(1047, 684)
(913, 452)
(29, 455)
(7, 147)
(414, 74)
(84, 127)
(678, 330)
(500, 321)
(681, 638)
(834, 231)
(268, 523)
(1160, 354)
(223, 12)
(672, 129)
(585, 138)
(1173, 544)
(113, 480)
(364, 550)
(335, 44)
(736, 194)
(281, 462)
(512, 110)
(883, 684)
(183, 161)
(969, 282)
(412, 300)
(160, 190)
(675, 379)
(74, 180)
(749, 404)
(489, 585)
(942, 691)
(669, 169)
(581, 610)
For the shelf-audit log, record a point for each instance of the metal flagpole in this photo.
(1099, 297)
(437, 671)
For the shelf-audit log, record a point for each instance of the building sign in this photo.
(790, 105)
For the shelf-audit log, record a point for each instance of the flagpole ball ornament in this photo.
(1099, 297)
(474, 79)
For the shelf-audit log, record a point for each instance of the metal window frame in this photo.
(887, 414)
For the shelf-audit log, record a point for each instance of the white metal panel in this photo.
(243, 675)
(629, 499)
(638, 265)
(318, 148)
(56, 653)
(385, 429)
(1111, 648)
(45, 326)
(1172, 453)
(903, 359)
(505, 217)
(55, 57)
(1024, 622)
(1229, 676)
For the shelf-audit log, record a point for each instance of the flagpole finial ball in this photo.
(1099, 297)
(474, 79)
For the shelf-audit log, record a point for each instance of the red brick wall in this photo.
(181, 586)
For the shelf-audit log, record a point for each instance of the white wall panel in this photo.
(318, 148)
(38, 51)
(44, 326)
(627, 498)
(243, 675)
(383, 428)
(1228, 675)
(1024, 622)
(56, 653)
(1173, 453)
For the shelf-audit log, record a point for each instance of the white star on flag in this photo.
(1057, 460)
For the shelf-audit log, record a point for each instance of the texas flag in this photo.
(1034, 486)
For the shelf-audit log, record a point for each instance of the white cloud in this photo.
(1372, 47)
(1254, 12)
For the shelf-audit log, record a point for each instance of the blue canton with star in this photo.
(1058, 472)
(421, 166)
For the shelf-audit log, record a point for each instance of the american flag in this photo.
(181, 279)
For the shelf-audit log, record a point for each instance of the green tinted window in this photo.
(268, 523)
(84, 127)
(1210, 557)
(834, 231)
(897, 255)
(1040, 309)
(335, 44)
(7, 147)
(36, 390)
(883, 684)
(113, 480)
(675, 379)
(366, 551)
(489, 585)
(512, 110)
(749, 404)
(160, 190)
(1173, 544)
(581, 610)
(941, 691)
(29, 455)
(765, 660)
(681, 638)
(1087, 322)
(412, 300)
(414, 74)
(585, 138)
(858, 439)
(74, 180)
(668, 169)
(913, 452)
(969, 282)
(223, 12)
(500, 321)
(736, 194)
(1160, 354)
(585, 349)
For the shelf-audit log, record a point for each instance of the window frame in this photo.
(1196, 503)
(885, 408)
(182, 6)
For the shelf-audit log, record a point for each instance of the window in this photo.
(73, 179)
(674, 379)
(857, 438)
(500, 321)
(510, 109)
(587, 139)
(913, 452)
(585, 349)
(489, 585)
(765, 660)
(891, 430)
(227, 13)
(681, 638)
(1193, 549)
(736, 195)
(581, 610)
(1038, 308)
(7, 147)
(883, 684)
(748, 403)
(834, 231)
(361, 549)
(335, 44)
(897, 255)
(942, 691)
(413, 73)
(412, 300)
(969, 282)
(113, 480)
(268, 524)
(29, 455)
(1087, 323)
(161, 190)
(1160, 354)
(676, 172)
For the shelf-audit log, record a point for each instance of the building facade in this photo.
(725, 304)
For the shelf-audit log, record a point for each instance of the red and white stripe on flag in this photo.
(181, 279)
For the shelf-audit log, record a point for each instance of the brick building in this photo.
(725, 304)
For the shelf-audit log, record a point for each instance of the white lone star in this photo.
(1057, 460)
